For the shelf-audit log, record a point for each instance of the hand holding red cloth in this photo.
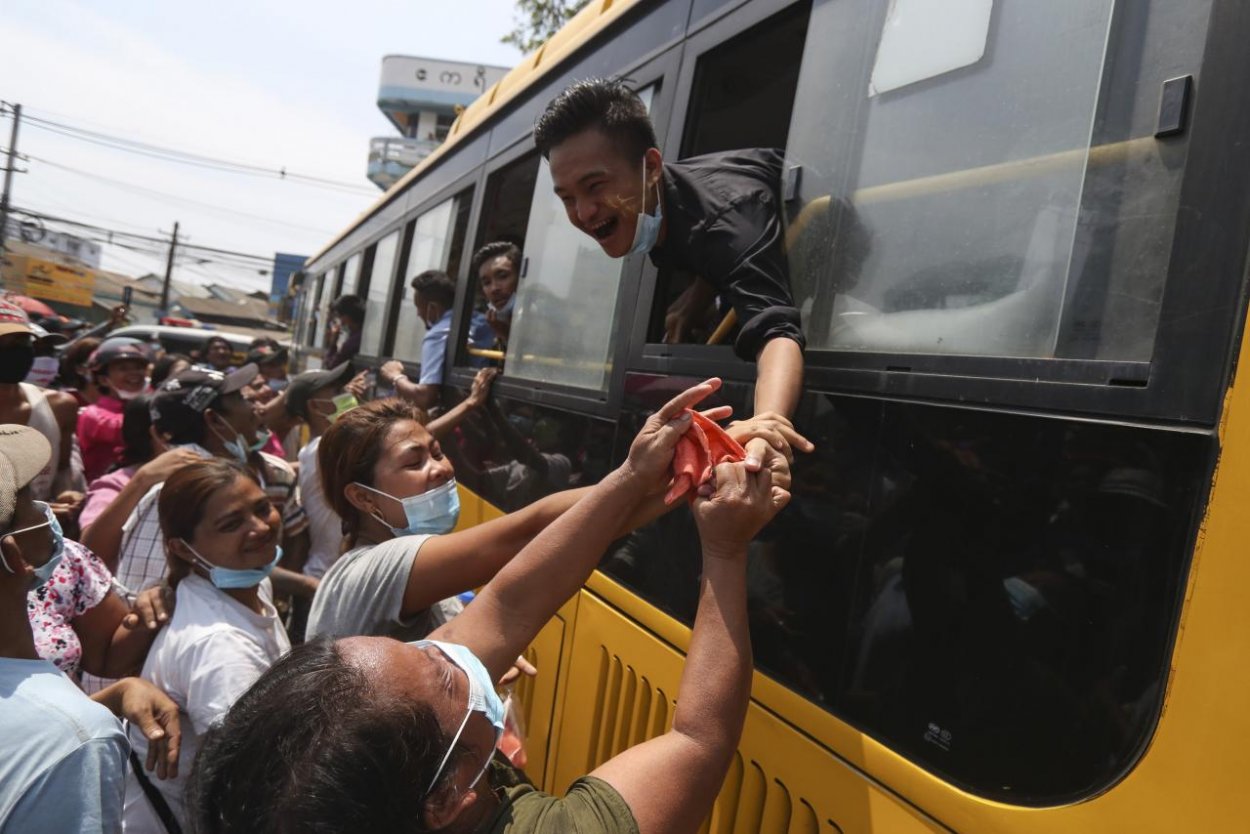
(700, 449)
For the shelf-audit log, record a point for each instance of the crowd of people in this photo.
(262, 576)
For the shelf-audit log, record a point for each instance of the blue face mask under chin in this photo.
(238, 448)
(433, 512)
(44, 572)
(482, 698)
(235, 578)
(647, 231)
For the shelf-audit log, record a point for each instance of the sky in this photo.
(273, 83)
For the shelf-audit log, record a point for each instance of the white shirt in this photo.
(325, 529)
(212, 651)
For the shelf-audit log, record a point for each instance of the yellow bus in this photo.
(1009, 592)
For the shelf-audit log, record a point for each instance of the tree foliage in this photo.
(538, 20)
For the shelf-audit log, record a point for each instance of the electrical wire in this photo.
(164, 196)
(135, 236)
(169, 154)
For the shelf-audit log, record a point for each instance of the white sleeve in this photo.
(220, 668)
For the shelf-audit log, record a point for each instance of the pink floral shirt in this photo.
(77, 585)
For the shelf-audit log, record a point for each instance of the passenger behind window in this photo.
(434, 294)
(717, 216)
(347, 319)
(498, 269)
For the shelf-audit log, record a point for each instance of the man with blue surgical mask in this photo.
(717, 218)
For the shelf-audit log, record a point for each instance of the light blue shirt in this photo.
(63, 757)
(434, 345)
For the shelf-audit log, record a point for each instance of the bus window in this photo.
(508, 197)
(743, 90)
(991, 595)
(741, 97)
(327, 296)
(377, 295)
(351, 275)
(437, 243)
(565, 315)
(427, 251)
(989, 198)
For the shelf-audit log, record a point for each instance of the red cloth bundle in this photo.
(704, 445)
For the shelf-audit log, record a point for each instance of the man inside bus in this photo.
(497, 266)
(716, 216)
(434, 294)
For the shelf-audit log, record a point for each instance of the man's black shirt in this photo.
(723, 222)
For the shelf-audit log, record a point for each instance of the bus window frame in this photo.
(399, 287)
(366, 283)
(660, 71)
(690, 360)
(1206, 261)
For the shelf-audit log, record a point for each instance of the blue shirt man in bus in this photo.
(716, 216)
(434, 294)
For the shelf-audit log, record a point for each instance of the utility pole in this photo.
(8, 174)
(169, 272)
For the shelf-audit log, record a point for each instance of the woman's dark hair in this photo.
(161, 370)
(351, 448)
(74, 357)
(607, 105)
(186, 492)
(137, 445)
(314, 747)
(493, 250)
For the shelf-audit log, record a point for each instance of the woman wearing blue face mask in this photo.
(371, 734)
(386, 477)
(222, 539)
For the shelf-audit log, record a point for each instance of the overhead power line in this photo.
(191, 158)
(165, 196)
(268, 259)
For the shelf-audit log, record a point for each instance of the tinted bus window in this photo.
(991, 595)
(427, 251)
(741, 97)
(564, 321)
(323, 306)
(351, 275)
(970, 186)
(379, 291)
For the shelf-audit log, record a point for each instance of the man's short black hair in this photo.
(606, 104)
(493, 250)
(436, 285)
(349, 307)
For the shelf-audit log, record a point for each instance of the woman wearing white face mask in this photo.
(121, 367)
(395, 491)
(221, 541)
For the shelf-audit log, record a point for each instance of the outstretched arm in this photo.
(444, 424)
(513, 606)
(670, 782)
